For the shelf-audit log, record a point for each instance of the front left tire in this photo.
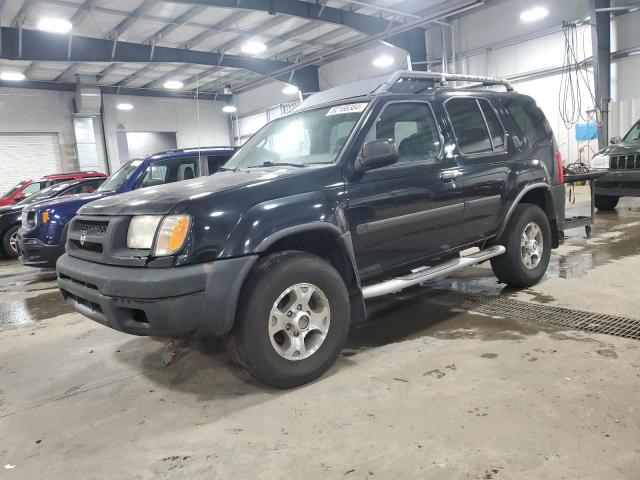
(292, 320)
(10, 241)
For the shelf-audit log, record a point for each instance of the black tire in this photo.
(606, 202)
(7, 242)
(250, 343)
(510, 267)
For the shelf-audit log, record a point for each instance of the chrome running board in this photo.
(429, 273)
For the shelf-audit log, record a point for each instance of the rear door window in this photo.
(469, 126)
(493, 122)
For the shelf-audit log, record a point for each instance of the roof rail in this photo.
(442, 78)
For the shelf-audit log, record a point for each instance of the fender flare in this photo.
(534, 186)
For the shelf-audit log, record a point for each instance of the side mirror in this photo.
(19, 197)
(378, 154)
(615, 140)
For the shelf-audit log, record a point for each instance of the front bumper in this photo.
(619, 183)
(165, 302)
(35, 253)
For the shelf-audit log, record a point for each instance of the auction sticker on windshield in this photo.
(348, 108)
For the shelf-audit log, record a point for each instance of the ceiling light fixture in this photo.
(534, 14)
(229, 109)
(253, 47)
(383, 61)
(290, 90)
(10, 76)
(173, 84)
(124, 106)
(55, 25)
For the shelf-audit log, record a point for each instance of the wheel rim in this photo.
(13, 242)
(299, 321)
(532, 245)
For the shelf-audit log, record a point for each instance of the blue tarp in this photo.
(586, 131)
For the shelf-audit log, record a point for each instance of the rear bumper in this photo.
(166, 302)
(619, 183)
(34, 253)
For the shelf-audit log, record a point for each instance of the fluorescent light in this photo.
(124, 106)
(173, 84)
(55, 25)
(253, 47)
(534, 14)
(383, 61)
(290, 90)
(10, 76)
(229, 109)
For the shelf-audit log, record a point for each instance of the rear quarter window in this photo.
(530, 121)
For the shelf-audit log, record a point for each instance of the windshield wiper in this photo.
(269, 163)
(227, 169)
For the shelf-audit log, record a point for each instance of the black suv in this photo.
(364, 190)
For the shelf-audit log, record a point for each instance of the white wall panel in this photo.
(28, 156)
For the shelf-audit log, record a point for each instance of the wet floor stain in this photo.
(30, 310)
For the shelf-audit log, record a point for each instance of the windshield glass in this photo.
(12, 191)
(634, 134)
(306, 138)
(45, 193)
(115, 181)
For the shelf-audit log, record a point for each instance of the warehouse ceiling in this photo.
(139, 39)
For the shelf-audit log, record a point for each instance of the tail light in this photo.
(559, 168)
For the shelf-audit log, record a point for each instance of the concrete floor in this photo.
(421, 391)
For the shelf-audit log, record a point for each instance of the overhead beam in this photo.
(49, 47)
(367, 24)
(113, 90)
(23, 13)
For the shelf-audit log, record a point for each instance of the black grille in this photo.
(92, 246)
(91, 226)
(625, 162)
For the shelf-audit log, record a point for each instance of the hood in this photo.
(12, 208)
(162, 199)
(67, 203)
(622, 148)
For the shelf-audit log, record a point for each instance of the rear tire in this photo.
(292, 320)
(606, 202)
(527, 239)
(10, 241)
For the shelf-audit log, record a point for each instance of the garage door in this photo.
(24, 156)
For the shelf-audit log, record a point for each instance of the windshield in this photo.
(45, 193)
(306, 138)
(634, 134)
(12, 191)
(115, 181)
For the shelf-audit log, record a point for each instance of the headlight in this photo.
(600, 162)
(142, 231)
(172, 235)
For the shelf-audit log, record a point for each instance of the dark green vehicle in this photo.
(622, 160)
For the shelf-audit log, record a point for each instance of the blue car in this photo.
(42, 237)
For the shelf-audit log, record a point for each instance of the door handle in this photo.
(450, 176)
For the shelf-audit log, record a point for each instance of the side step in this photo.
(400, 283)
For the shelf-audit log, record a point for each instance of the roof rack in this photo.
(442, 79)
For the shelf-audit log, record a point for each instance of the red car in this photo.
(27, 188)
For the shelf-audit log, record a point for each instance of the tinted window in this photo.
(469, 126)
(412, 127)
(495, 127)
(530, 121)
(161, 172)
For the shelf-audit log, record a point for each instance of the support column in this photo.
(601, 46)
